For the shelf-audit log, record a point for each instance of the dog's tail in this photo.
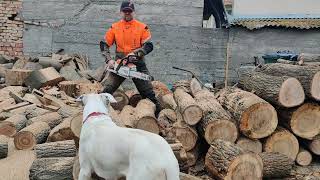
(172, 173)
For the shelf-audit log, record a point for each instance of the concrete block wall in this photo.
(11, 28)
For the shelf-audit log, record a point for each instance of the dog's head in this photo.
(105, 98)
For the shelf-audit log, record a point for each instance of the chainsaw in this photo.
(124, 68)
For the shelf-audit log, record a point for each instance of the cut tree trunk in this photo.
(52, 168)
(49, 62)
(303, 121)
(34, 134)
(134, 97)
(276, 165)
(225, 160)
(10, 126)
(69, 87)
(309, 76)
(17, 77)
(216, 122)
(250, 145)
(282, 91)
(61, 132)
(3, 146)
(160, 89)
(128, 116)
(179, 152)
(167, 102)
(255, 117)
(53, 119)
(43, 77)
(56, 149)
(145, 112)
(314, 145)
(121, 98)
(307, 57)
(195, 86)
(87, 88)
(283, 142)
(75, 126)
(304, 157)
(188, 107)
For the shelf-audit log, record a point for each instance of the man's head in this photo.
(127, 10)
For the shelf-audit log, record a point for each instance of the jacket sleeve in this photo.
(146, 35)
(109, 36)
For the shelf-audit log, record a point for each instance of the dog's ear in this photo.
(109, 97)
(80, 98)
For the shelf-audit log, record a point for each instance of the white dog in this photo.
(112, 152)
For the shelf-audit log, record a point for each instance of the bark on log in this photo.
(53, 119)
(6, 103)
(184, 176)
(193, 155)
(61, 132)
(255, 117)
(16, 77)
(225, 160)
(166, 118)
(179, 152)
(187, 106)
(160, 89)
(314, 145)
(283, 142)
(304, 157)
(309, 76)
(167, 102)
(34, 134)
(69, 87)
(43, 77)
(49, 62)
(128, 116)
(307, 57)
(121, 98)
(56, 149)
(250, 145)
(303, 121)
(3, 146)
(282, 91)
(145, 112)
(195, 86)
(216, 122)
(183, 84)
(276, 165)
(134, 97)
(52, 168)
(14, 124)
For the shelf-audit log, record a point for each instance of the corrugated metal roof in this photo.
(300, 22)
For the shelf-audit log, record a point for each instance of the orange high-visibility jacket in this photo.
(128, 36)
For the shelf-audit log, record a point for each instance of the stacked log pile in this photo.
(267, 127)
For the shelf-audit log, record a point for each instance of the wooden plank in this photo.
(16, 106)
(43, 77)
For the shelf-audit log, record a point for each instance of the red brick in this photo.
(19, 45)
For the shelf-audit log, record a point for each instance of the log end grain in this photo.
(249, 145)
(24, 140)
(314, 145)
(291, 93)
(7, 129)
(222, 129)
(315, 86)
(304, 157)
(122, 100)
(258, 121)
(192, 114)
(283, 142)
(305, 121)
(148, 124)
(187, 136)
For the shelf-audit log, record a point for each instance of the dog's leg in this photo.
(84, 174)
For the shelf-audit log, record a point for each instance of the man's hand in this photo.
(132, 58)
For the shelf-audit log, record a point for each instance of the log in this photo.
(75, 126)
(250, 145)
(127, 115)
(6, 103)
(16, 106)
(179, 152)
(69, 73)
(166, 118)
(17, 77)
(225, 160)
(43, 77)
(14, 124)
(121, 98)
(160, 89)
(167, 102)
(307, 57)
(193, 155)
(195, 86)
(309, 76)
(32, 66)
(314, 145)
(3, 146)
(145, 112)
(255, 117)
(283, 61)
(7, 65)
(303, 121)
(69, 87)
(49, 62)
(183, 84)
(283, 142)
(304, 157)
(134, 97)
(56, 149)
(31, 98)
(53, 119)
(282, 91)
(34, 134)
(76, 168)
(184, 176)
(276, 165)
(216, 122)
(52, 168)
(61, 132)
(187, 106)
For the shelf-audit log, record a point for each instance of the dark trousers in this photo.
(113, 81)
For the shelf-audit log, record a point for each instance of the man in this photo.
(131, 38)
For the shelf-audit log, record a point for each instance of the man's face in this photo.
(127, 14)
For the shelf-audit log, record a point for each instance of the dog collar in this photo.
(93, 114)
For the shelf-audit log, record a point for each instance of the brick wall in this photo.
(11, 28)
